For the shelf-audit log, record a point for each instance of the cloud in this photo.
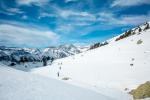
(68, 21)
(67, 28)
(109, 18)
(24, 17)
(15, 10)
(26, 36)
(69, 13)
(123, 3)
(10, 10)
(107, 21)
(71, 21)
(134, 19)
(32, 2)
(45, 14)
(76, 18)
(67, 1)
(87, 22)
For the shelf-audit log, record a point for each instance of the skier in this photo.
(44, 61)
(60, 67)
(58, 74)
(52, 59)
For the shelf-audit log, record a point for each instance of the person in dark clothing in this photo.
(44, 61)
(60, 67)
(58, 74)
(52, 59)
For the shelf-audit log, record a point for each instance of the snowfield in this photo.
(112, 70)
(19, 85)
(109, 72)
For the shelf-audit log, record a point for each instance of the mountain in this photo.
(112, 70)
(61, 51)
(136, 30)
(14, 54)
(18, 56)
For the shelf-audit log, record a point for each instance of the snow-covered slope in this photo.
(18, 85)
(121, 65)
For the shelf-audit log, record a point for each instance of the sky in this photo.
(44, 23)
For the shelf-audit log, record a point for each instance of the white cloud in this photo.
(108, 21)
(19, 36)
(68, 13)
(72, 20)
(134, 19)
(67, 1)
(104, 20)
(24, 17)
(7, 13)
(123, 3)
(67, 28)
(44, 14)
(124, 20)
(77, 18)
(69, 16)
(32, 2)
(11, 11)
(15, 10)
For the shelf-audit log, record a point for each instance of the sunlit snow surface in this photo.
(105, 73)
(112, 70)
(19, 85)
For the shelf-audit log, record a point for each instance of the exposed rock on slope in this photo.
(142, 91)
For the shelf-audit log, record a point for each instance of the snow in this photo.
(111, 69)
(105, 73)
(19, 85)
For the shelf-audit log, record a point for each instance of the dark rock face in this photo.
(96, 45)
(126, 34)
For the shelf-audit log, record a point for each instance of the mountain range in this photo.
(13, 56)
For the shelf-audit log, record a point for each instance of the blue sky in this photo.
(43, 23)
